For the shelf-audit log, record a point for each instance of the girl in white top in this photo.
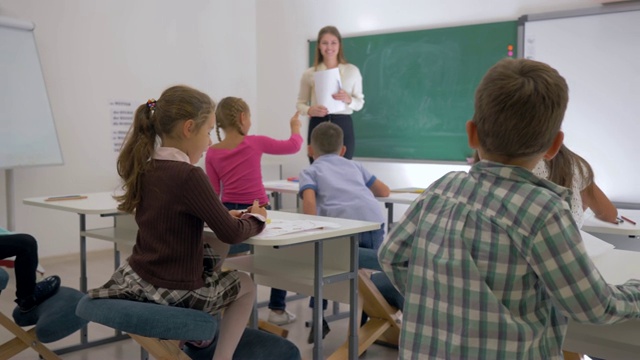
(329, 55)
(570, 170)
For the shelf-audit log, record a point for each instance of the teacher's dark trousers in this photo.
(345, 123)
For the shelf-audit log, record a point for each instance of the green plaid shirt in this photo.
(491, 263)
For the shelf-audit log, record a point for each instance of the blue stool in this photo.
(54, 319)
(157, 328)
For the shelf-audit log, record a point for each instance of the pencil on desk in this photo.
(627, 220)
(66, 197)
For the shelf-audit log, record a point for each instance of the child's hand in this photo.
(295, 123)
(256, 209)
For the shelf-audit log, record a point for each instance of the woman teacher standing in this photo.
(329, 55)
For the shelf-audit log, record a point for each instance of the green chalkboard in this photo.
(419, 88)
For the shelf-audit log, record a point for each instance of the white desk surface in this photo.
(347, 228)
(291, 187)
(592, 224)
(617, 341)
(282, 186)
(95, 203)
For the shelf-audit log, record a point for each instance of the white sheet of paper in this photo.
(595, 246)
(328, 83)
(282, 227)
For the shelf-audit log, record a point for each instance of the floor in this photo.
(99, 268)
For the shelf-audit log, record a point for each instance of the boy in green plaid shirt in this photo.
(491, 262)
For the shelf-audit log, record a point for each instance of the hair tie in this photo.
(151, 104)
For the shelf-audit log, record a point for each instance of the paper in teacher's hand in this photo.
(328, 83)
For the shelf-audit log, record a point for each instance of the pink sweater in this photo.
(237, 171)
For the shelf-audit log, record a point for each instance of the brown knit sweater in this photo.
(177, 199)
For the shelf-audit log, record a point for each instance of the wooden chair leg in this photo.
(274, 329)
(568, 355)
(161, 349)
(23, 340)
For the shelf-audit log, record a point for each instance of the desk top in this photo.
(592, 224)
(282, 186)
(95, 203)
(291, 187)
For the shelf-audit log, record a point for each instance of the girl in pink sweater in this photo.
(233, 167)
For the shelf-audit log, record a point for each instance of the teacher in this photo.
(329, 55)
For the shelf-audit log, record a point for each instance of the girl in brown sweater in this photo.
(172, 199)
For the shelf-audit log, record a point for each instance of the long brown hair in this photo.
(566, 165)
(333, 31)
(151, 120)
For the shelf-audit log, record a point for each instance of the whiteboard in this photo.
(598, 53)
(27, 131)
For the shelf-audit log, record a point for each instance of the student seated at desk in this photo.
(172, 199)
(338, 187)
(491, 262)
(233, 167)
(24, 247)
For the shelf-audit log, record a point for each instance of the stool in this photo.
(157, 328)
(54, 319)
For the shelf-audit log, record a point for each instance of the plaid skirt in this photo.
(220, 289)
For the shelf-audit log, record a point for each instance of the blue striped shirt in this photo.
(492, 264)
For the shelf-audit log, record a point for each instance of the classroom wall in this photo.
(284, 26)
(95, 51)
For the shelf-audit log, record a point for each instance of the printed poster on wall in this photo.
(121, 115)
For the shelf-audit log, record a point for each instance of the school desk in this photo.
(279, 187)
(284, 260)
(99, 204)
(617, 341)
(594, 225)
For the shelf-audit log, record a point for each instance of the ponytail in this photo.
(135, 154)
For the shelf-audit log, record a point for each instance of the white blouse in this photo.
(351, 83)
(578, 185)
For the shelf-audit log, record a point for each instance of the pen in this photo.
(627, 219)
(262, 206)
(66, 197)
(619, 220)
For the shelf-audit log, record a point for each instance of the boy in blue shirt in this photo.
(491, 262)
(337, 187)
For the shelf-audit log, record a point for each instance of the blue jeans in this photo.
(277, 298)
(255, 345)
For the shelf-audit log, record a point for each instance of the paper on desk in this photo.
(595, 247)
(328, 83)
(283, 227)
